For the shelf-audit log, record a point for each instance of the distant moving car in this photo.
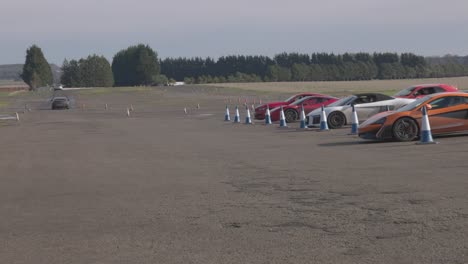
(60, 103)
(367, 104)
(447, 112)
(261, 110)
(292, 111)
(58, 88)
(421, 90)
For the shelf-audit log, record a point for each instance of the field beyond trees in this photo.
(341, 87)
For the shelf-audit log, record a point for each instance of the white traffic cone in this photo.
(248, 120)
(185, 110)
(323, 121)
(268, 116)
(354, 122)
(237, 116)
(303, 118)
(282, 119)
(426, 135)
(227, 117)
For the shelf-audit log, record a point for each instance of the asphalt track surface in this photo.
(90, 185)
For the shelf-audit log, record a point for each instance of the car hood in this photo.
(271, 105)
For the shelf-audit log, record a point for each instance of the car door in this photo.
(368, 108)
(311, 104)
(448, 114)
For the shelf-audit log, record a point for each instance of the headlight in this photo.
(380, 121)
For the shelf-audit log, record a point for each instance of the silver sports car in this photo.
(367, 104)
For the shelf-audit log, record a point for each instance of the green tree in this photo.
(96, 72)
(136, 65)
(36, 69)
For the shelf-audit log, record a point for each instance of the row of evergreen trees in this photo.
(139, 65)
(302, 67)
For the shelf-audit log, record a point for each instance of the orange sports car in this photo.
(448, 114)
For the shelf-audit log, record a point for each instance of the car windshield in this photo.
(406, 91)
(414, 104)
(301, 101)
(290, 98)
(343, 101)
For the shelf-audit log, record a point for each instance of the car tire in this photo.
(405, 129)
(336, 120)
(291, 115)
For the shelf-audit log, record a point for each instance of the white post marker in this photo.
(248, 120)
(128, 112)
(354, 122)
(185, 110)
(426, 135)
(303, 118)
(237, 116)
(105, 107)
(268, 116)
(198, 106)
(17, 117)
(323, 120)
(282, 119)
(131, 107)
(227, 117)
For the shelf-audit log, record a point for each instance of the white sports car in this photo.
(367, 104)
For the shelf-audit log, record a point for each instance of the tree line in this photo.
(304, 67)
(139, 65)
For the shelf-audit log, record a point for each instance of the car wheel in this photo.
(291, 115)
(405, 129)
(336, 120)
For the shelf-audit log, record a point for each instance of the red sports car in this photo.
(261, 110)
(310, 103)
(421, 90)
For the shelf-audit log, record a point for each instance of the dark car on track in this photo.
(60, 103)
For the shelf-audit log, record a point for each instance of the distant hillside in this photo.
(13, 71)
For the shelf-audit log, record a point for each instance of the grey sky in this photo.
(76, 28)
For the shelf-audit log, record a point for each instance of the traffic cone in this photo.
(227, 117)
(268, 116)
(282, 119)
(426, 135)
(237, 116)
(354, 122)
(185, 110)
(303, 118)
(323, 120)
(248, 120)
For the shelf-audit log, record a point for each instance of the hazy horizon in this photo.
(210, 28)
